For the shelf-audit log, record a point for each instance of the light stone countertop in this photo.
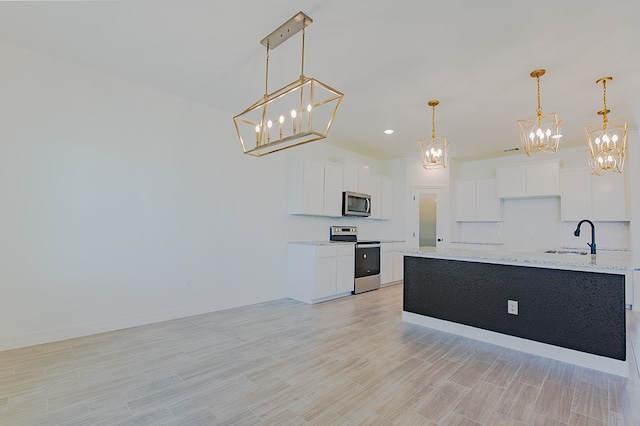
(323, 243)
(612, 262)
(320, 243)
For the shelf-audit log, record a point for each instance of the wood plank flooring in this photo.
(350, 361)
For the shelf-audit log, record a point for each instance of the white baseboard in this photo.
(583, 359)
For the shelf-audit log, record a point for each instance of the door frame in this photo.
(442, 224)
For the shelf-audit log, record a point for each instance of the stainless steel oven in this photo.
(367, 258)
(367, 268)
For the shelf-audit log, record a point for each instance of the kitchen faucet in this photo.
(593, 234)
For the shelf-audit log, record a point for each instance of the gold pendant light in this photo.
(433, 151)
(300, 112)
(607, 141)
(542, 132)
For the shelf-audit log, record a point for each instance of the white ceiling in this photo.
(388, 57)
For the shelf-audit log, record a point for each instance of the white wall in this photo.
(122, 205)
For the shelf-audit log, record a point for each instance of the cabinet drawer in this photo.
(326, 251)
(345, 250)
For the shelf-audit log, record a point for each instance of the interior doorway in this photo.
(427, 205)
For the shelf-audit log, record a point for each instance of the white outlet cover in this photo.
(512, 307)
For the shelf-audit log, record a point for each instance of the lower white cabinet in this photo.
(391, 263)
(319, 272)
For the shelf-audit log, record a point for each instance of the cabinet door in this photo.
(345, 275)
(511, 182)
(465, 200)
(386, 267)
(487, 201)
(325, 277)
(355, 176)
(398, 266)
(373, 188)
(386, 198)
(543, 179)
(332, 190)
(608, 197)
(575, 201)
(306, 188)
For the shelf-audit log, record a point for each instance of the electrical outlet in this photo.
(512, 307)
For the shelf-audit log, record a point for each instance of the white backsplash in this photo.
(316, 228)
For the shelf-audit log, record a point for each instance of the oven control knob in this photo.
(364, 255)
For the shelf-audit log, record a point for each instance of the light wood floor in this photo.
(343, 362)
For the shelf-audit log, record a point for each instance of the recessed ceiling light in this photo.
(388, 131)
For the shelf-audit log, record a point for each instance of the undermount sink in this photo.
(573, 252)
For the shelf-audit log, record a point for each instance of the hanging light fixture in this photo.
(295, 114)
(433, 151)
(607, 141)
(542, 132)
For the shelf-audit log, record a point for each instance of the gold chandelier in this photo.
(542, 132)
(607, 141)
(433, 151)
(295, 114)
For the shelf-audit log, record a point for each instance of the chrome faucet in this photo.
(593, 234)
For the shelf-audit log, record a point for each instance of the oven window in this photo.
(367, 261)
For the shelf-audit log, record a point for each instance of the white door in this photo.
(427, 205)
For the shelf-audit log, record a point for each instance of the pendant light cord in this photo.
(266, 75)
(433, 123)
(539, 110)
(605, 120)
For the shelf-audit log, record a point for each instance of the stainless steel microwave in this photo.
(356, 204)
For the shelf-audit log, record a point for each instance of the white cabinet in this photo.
(511, 181)
(357, 178)
(315, 188)
(391, 263)
(599, 198)
(319, 272)
(386, 198)
(477, 201)
(609, 197)
(345, 270)
(332, 190)
(465, 200)
(543, 179)
(528, 180)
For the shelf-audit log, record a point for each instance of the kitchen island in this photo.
(563, 306)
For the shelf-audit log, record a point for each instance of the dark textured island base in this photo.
(582, 311)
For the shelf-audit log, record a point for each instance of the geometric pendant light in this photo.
(607, 141)
(434, 151)
(541, 132)
(300, 112)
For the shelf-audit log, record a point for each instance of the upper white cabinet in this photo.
(358, 178)
(385, 206)
(315, 188)
(477, 201)
(332, 190)
(529, 180)
(599, 198)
